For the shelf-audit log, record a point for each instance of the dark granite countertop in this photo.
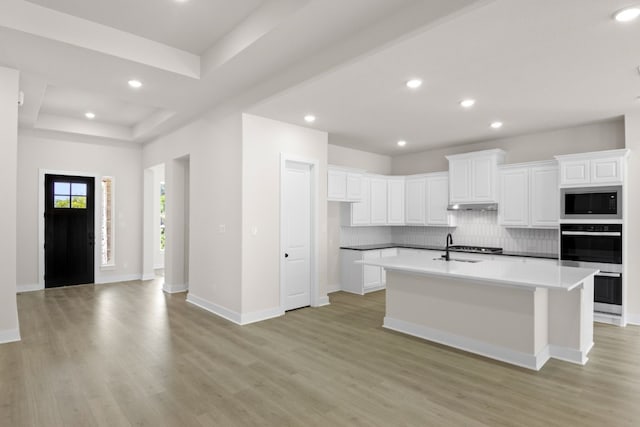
(436, 248)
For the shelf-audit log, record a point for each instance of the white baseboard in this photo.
(333, 288)
(233, 316)
(158, 267)
(11, 335)
(258, 316)
(216, 309)
(175, 288)
(148, 276)
(633, 319)
(322, 301)
(29, 288)
(569, 354)
(513, 357)
(115, 279)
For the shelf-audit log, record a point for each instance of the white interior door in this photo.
(297, 235)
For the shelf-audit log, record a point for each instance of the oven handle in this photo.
(592, 233)
(609, 274)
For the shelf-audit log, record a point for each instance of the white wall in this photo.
(263, 142)
(214, 146)
(123, 162)
(341, 156)
(605, 135)
(632, 249)
(9, 80)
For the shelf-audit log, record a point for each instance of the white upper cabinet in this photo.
(545, 196)
(472, 176)
(592, 169)
(361, 211)
(378, 201)
(437, 198)
(343, 185)
(529, 195)
(607, 170)
(513, 207)
(395, 201)
(415, 203)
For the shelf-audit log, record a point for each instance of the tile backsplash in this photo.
(474, 228)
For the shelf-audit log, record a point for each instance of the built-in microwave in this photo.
(591, 203)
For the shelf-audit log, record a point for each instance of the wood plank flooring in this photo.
(130, 355)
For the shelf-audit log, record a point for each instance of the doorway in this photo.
(69, 233)
(297, 236)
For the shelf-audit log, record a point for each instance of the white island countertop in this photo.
(491, 272)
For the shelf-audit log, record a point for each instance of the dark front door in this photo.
(69, 230)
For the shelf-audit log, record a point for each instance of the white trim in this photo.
(10, 335)
(315, 249)
(258, 316)
(149, 276)
(97, 210)
(119, 278)
(569, 354)
(513, 357)
(216, 309)
(633, 319)
(29, 288)
(322, 301)
(175, 288)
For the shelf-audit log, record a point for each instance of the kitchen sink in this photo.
(458, 260)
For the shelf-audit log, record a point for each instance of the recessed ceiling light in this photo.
(627, 15)
(467, 103)
(402, 143)
(136, 84)
(309, 118)
(496, 125)
(89, 115)
(414, 83)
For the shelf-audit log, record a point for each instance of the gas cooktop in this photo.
(475, 249)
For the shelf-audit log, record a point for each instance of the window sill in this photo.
(108, 267)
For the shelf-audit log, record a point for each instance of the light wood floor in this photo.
(127, 354)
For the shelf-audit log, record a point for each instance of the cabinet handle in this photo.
(286, 255)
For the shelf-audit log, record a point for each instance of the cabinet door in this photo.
(459, 180)
(386, 253)
(483, 170)
(575, 172)
(606, 171)
(395, 202)
(361, 211)
(514, 197)
(437, 201)
(337, 185)
(371, 275)
(545, 197)
(378, 201)
(354, 186)
(415, 192)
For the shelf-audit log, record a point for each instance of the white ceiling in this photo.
(192, 26)
(75, 103)
(533, 64)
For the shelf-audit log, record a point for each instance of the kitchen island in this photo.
(521, 314)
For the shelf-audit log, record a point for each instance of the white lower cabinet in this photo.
(360, 279)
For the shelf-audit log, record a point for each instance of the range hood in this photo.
(473, 207)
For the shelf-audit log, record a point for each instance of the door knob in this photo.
(286, 255)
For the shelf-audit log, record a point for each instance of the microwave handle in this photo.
(592, 233)
(609, 274)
